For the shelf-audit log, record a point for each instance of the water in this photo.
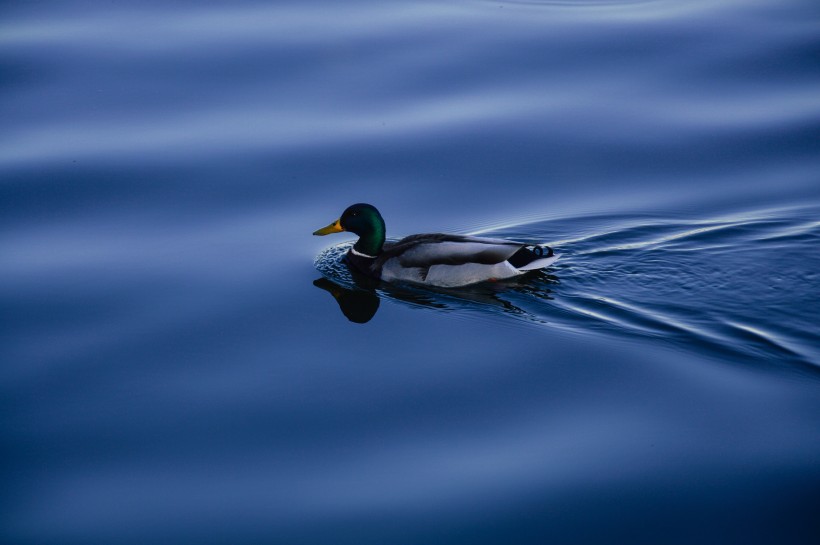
(184, 363)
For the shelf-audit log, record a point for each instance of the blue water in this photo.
(182, 362)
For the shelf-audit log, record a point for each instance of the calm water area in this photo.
(183, 362)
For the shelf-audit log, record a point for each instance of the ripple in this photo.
(582, 3)
(642, 9)
(704, 284)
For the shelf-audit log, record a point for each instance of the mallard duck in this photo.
(433, 259)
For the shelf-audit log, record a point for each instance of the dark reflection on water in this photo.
(358, 305)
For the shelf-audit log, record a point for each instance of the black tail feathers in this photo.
(528, 254)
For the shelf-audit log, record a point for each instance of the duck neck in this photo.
(370, 244)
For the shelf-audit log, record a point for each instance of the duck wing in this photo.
(441, 249)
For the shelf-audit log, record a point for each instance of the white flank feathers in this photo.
(451, 276)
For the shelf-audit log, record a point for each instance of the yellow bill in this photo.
(334, 227)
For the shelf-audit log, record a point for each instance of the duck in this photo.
(433, 259)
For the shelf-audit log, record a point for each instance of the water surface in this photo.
(184, 363)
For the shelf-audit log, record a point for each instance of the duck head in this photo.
(364, 220)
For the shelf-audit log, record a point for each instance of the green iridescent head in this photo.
(364, 220)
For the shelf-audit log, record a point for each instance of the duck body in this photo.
(434, 259)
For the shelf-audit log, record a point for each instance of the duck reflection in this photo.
(357, 305)
(359, 302)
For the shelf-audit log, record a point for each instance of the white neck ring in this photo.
(354, 252)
